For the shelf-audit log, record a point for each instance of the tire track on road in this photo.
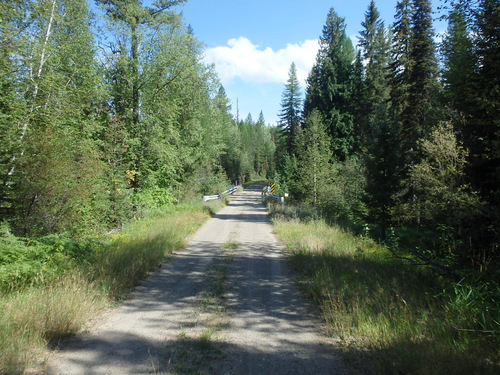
(267, 328)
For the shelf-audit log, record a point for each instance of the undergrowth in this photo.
(391, 317)
(50, 287)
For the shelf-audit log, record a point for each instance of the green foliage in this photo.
(154, 198)
(257, 159)
(418, 116)
(383, 174)
(375, 86)
(28, 262)
(441, 195)
(459, 61)
(291, 108)
(346, 204)
(330, 85)
(337, 188)
(286, 178)
(391, 317)
(314, 156)
(474, 307)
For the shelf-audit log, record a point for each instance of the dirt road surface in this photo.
(226, 304)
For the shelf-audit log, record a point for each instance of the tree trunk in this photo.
(35, 80)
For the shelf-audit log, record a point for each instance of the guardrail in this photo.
(267, 192)
(218, 196)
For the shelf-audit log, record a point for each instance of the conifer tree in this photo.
(483, 133)
(290, 114)
(418, 117)
(314, 160)
(459, 62)
(375, 46)
(357, 105)
(330, 85)
(132, 20)
(380, 138)
(400, 59)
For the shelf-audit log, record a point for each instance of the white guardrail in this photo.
(218, 196)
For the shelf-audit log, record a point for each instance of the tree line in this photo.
(400, 133)
(106, 116)
(107, 112)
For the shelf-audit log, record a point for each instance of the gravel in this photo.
(226, 304)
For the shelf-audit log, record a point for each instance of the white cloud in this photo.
(247, 61)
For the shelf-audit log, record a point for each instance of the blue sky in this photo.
(252, 43)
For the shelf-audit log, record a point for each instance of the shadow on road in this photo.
(269, 329)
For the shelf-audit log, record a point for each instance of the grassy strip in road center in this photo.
(198, 345)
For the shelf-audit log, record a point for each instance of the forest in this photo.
(399, 135)
(105, 118)
(111, 117)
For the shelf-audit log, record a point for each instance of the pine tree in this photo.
(418, 117)
(357, 104)
(330, 85)
(483, 134)
(383, 174)
(380, 138)
(314, 160)
(400, 58)
(230, 158)
(290, 114)
(459, 62)
(375, 46)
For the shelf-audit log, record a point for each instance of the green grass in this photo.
(51, 287)
(391, 318)
(130, 255)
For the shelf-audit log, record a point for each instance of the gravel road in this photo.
(226, 304)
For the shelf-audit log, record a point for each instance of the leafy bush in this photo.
(153, 198)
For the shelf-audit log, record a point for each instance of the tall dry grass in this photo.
(60, 306)
(45, 313)
(130, 255)
(391, 318)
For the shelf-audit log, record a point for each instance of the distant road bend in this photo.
(258, 324)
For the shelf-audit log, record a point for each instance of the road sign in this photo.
(273, 187)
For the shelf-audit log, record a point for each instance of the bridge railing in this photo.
(267, 193)
(219, 196)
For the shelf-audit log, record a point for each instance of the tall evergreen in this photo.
(418, 117)
(484, 132)
(375, 47)
(459, 63)
(357, 104)
(379, 136)
(330, 85)
(290, 115)
(400, 58)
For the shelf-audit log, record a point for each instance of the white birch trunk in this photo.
(35, 79)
